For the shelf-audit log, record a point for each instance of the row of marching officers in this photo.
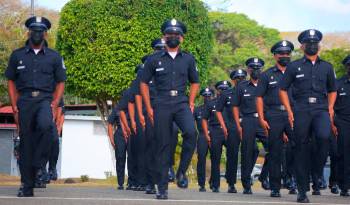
(288, 108)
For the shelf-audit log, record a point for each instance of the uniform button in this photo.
(173, 73)
(313, 76)
(34, 70)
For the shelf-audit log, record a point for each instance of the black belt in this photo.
(256, 115)
(172, 93)
(34, 93)
(311, 100)
(276, 107)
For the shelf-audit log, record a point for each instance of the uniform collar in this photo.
(251, 83)
(305, 59)
(29, 48)
(179, 52)
(276, 69)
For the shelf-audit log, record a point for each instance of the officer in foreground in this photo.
(32, 72)
(314, 95)
(172, 69)
(274, 118)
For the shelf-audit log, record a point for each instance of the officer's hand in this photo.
(15, 109)
(335, 130)
(240, 132)
(150, 115)
(128, 131)
(331, 114)
(265, 125)
(291, 119)
(192, 107)
(209, 141)
(112, 142)
(125, 134)
(54, 106)
(133, 126)
(285, 138)
(224, 129)
(143, 122)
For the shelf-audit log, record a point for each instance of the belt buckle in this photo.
(312, 100)
(173, 93)
(35, 93)
(282, 108)
(256, 115)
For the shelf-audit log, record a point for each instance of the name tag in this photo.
(228, 103)
(159, 69)
(342, 94)
(246, 95)
(213, 110)
(21, 67)
(273, 82)
(300, 76)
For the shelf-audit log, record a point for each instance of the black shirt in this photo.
(309, 80)
(342, 104)
(209, 113)
(245, 98)
(32, 72)
(114, 117)
(225, 106)
(269, 85)
(123, 102)
(197, 113)
(170, 74)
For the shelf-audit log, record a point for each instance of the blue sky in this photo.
(284, 15)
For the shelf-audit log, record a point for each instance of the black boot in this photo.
(275, 193)
(302, 198)
(232, 189)
(182, 181)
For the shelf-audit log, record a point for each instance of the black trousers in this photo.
(249, 149)
(202, 151)
(307, 122)
(279, 124)
(164, 116)
(55, 150)
(174, 144)
(232, 149)
(139, 153)
(288, 160)
(264, 174)
(217, 143)
(36, 124)
(343, 125)
(150, 152)
(333, 150)
(122, 147)
(132, 160)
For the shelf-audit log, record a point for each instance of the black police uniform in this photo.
(128, 145)
(202, 147)
(311, 83)
(217, 141)
(35, 76)
(170, 78)
(55, 149)
(225, 106)
(342, 122)
(275, 115)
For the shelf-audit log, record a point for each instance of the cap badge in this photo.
(38, 19)
(173, 22)
(239, 71)
(256, 60)
(312, 32)
(284, 43)
(225, 82)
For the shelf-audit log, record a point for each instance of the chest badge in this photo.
(160, 63)
(271, 77)
(21, 62)
(299, 69)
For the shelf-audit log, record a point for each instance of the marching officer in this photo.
(36, 76)
(244, 104)
(314, 95)
(224, 115)
(171, 69)
(274, 118)
(341, 128)
(202, 143)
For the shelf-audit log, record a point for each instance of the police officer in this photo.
(341, 128)
(274, 118)
(248, 129)
(224, 105)
(314, 94)
(32, 72)
(216, 140)
(172, 69)
(202, 143)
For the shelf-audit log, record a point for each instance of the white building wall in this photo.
(85, 148)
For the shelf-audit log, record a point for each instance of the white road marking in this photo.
(169, 200)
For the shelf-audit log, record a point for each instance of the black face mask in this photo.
(173, 41)
(311, 49)
(255, 74)
(37, 37)
(283, 61)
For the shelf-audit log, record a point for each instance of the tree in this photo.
(103, 40)
(236, 39)
(335, 57)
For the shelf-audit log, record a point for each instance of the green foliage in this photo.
(103, 40)
(238, 38)
(335, 57)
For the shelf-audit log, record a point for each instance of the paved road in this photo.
(104, 195)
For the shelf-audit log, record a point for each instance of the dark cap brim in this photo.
(175, 30)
